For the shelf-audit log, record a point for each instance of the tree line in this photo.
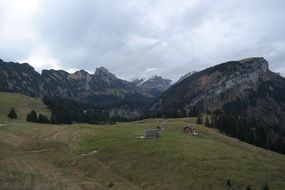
(32, 117)
(66, 111)
(250, 130)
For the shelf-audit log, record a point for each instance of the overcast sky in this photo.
(143, 38)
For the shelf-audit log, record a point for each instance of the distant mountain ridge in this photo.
(102, 88)
(154, 85)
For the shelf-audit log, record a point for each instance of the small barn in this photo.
(151, 133)
(190, 130)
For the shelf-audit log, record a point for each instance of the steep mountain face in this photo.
(21, 78)
(247, 87)
(100, 88)
(154, 86)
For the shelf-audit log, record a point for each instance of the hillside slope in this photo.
(94, 157)
(22, 104)
(245, 87)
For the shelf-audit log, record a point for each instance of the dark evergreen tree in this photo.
(12, 114)
(207, 122)
(32, 116)
(228, 184)
(265, 187)
(248, 187)
(199, 119)
(193, 112)
(43, 119)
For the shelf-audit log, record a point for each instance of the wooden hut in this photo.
(190, 130)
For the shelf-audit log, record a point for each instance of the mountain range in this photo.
(100, 88)
(245, 87)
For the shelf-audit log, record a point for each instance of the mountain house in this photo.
(190, 130)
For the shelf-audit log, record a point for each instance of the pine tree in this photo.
(248, 187)
(199, 119)
(43, 119)
(12, 114)
(207, 122)
(228, 184)
(32, 116)
(265, 187)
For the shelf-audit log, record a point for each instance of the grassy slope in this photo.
(22, 104)
(35, 156)
(48, 156)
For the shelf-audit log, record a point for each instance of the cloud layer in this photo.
(134, 38)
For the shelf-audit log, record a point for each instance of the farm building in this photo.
(151, 133)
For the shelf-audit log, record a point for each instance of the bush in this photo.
(12, 114)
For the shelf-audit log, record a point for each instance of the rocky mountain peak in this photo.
(159, 79)
(102, 70)
(138, 82)
(155, 85)
(256, 63)
(54, 73)
(81, 74)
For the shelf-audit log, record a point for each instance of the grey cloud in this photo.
(131, 37)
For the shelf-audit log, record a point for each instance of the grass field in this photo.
(34, 156)
(85, 157)
(22, 104)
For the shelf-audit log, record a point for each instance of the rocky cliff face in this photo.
(20, 78)
(246, 83)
